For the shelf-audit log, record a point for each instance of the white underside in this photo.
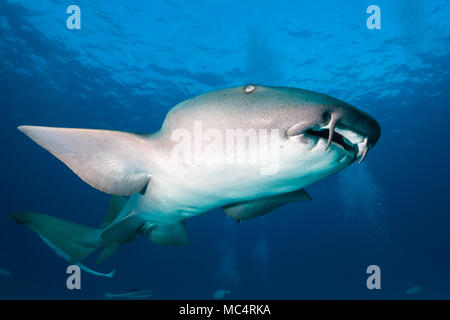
(180, 191)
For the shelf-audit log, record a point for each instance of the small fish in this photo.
(5, 273)
(134, 294)
(220, 293)
(414, 290)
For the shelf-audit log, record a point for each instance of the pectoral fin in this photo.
(111, 161)
(253, 208)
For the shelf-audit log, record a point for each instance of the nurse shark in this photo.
(161, 179)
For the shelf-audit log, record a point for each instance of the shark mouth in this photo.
(336, 138)
(333, 136)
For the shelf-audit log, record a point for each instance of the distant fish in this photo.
(5, 273)
(220, 294)
(134, 294)
(414, 290)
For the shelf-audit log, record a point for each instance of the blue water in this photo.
(130, 63)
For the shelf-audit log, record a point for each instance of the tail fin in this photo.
(96, 273)
(69, 240)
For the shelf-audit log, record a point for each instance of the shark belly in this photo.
(179, 192)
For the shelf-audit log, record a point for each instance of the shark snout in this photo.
(346, 126)
(355, 127)
(360, 123)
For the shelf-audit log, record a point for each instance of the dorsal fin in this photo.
(253, 208)
(115, 207)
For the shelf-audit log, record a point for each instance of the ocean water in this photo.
(131, 62)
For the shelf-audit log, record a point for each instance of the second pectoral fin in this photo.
(253, 208)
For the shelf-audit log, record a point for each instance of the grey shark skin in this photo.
(317, 136)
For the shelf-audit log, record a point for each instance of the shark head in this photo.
(321, 119)
(322, 134)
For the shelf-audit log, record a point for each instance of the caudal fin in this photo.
(69, 240)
